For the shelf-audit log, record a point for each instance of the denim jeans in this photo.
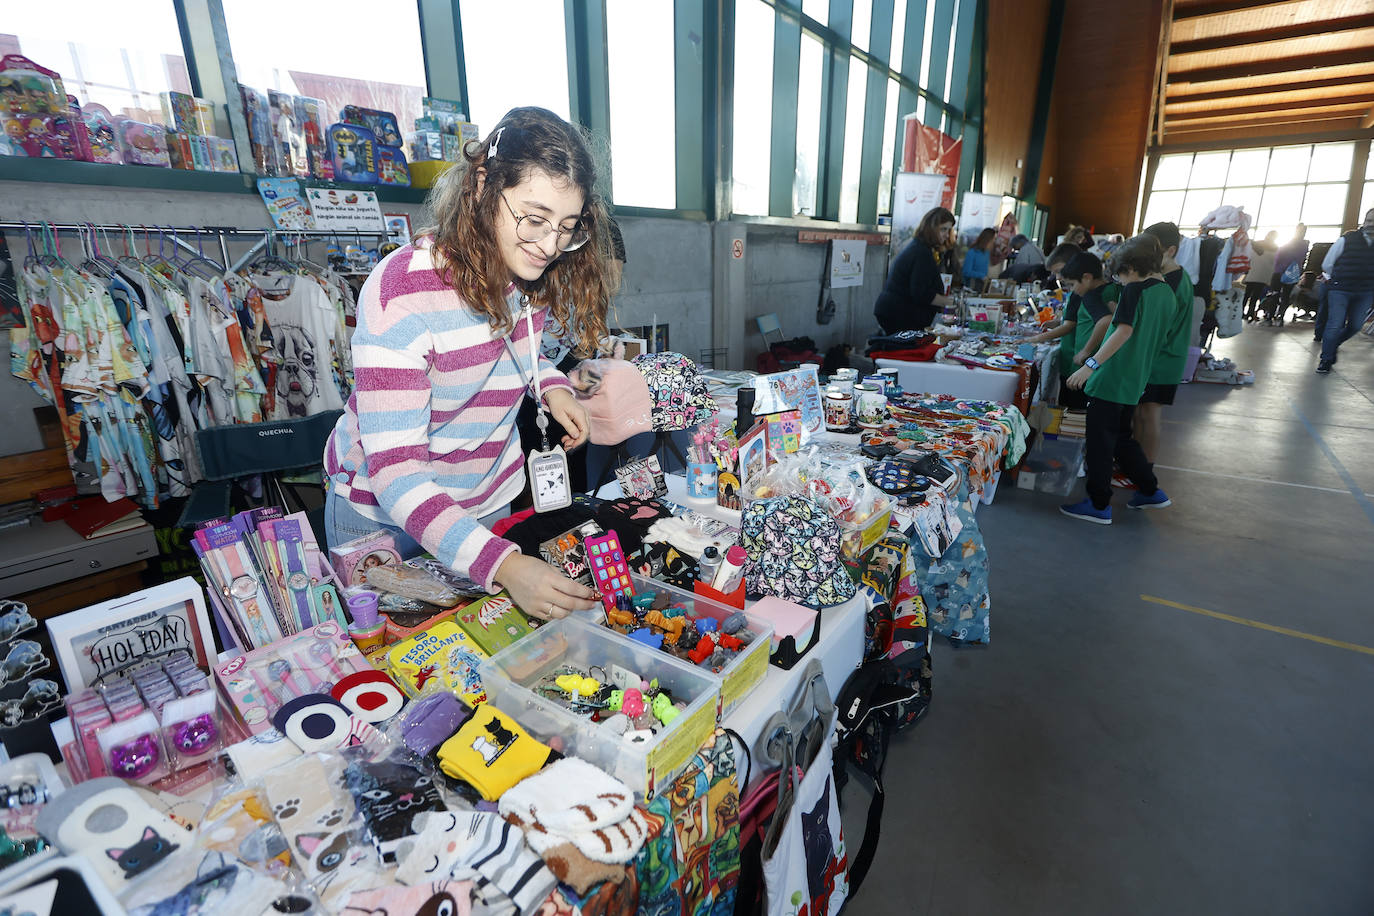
(344, 523)
(1346, 313)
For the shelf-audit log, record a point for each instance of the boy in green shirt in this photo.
(1173, 352)
(1084, 325)
(1115, 377)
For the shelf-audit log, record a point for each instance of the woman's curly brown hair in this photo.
(574, 287)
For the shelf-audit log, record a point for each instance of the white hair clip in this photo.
(495, 139)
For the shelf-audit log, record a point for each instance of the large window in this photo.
(808, 126)
(853, 141)
(753, 115)
(1277, 186)
(509, 66)
(643, 164)
(105, 53)
(291, 47)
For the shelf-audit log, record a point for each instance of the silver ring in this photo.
(551, 608)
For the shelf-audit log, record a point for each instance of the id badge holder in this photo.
(550, 484)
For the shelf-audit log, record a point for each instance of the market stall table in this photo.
(840, 648)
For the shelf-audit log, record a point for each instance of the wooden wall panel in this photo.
(1101, 106)
(1016, 30)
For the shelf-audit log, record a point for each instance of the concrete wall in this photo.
(670, 274)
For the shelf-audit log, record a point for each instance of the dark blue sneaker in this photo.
(1156, 500)
(1088, 512)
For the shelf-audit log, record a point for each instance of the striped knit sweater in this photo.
(427, 441)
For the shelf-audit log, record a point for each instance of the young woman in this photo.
(914, 290)
(446, 348)
(975, 268)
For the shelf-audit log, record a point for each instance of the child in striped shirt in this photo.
(448, 332)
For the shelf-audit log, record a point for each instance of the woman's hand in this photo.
(542, 591)
(571, 415)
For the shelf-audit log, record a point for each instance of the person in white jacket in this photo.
(1261, 272)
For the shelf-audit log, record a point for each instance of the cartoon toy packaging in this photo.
(353, 152)
(142, 144)
(445, 652)
(39, 119)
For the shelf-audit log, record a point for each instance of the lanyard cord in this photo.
(532, 383)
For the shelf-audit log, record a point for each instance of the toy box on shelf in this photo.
(38, 118)
(513, 678)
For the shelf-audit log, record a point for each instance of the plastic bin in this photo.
(855, 540)
(1052, 465)
(509, 676)
(745, 670)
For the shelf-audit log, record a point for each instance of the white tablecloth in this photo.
(840, 649)
(957, 380)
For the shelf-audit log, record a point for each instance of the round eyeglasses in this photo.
(530, 228)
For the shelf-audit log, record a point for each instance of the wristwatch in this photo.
(243, 590)
(297, 579)
(1092, 363)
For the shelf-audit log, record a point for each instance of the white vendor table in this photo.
(954, 379)
(840, 650)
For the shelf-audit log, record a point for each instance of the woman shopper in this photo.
(915, 291)
(975, 267)
(446, 348)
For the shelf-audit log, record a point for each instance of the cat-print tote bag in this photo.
(806, 873)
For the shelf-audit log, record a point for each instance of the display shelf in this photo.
(65, 171)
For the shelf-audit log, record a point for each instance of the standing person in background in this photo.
(1294, 251)
(1087, 315)
(915, 293)
(1115, 377)
(1261, 274)
(1167, 371)
(447, 346)
(1350, 291)
(975, 269)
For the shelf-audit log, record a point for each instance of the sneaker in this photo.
(1323, 367)
(1156, 500)
(1122, 482)
(1088, 512)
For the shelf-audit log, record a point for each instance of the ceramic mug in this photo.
(701, 480)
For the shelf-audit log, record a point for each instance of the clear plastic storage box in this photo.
(510, 676)
(745, 670)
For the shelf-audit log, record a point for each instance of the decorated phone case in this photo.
(607, 563)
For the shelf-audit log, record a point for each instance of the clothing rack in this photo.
(220, 232)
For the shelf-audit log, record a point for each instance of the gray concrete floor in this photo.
(1109, 755)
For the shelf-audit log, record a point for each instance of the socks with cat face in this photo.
(389, 793)
(476, 844)
(111, 825)
(491, 752)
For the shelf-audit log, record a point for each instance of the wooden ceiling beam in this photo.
(1298, 66)
(1222, 7)
(1174, 109)
(1334, 82)
(1253, 123)
(1310, 29)
(1356, 101)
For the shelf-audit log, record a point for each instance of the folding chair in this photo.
(770, 326)
(271, 451)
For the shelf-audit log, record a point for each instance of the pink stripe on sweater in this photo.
(368, 378)
(379, 461)
(487, 451)
(488, 558)
(483, 354)
(425, 513)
